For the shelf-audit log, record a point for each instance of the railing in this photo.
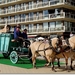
(38, 18)
(34, 6)
(55, 29)
(32, 19)
(70, 15)
(6, 1)
(70, 29)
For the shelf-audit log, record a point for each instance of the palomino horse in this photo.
(66, 50)
(49, 51)
(72, 45)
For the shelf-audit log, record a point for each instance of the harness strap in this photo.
(43, 49)
(39, 46)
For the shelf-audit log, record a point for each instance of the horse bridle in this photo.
(50, 43)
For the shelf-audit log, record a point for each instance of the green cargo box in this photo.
(5, 42)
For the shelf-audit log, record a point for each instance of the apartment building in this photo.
(40, 17)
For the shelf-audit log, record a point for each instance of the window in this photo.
(58, 24)
(23, 16)
(24, 5)
(46, 14)
(45, 26)
(52, 24)
(30, 5)
(22, 27)
(31, 16)
(45, 0)
(37, 27)
(30, 27)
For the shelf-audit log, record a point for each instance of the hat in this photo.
(25, 29)
(18, 27)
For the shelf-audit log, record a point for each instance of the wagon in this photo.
(13, 49)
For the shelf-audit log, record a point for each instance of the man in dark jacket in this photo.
(25, 37)
(24, 34)
(18, 36)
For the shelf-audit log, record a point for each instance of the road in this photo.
(6, 69)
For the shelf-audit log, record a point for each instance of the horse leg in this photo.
(34, 61)
(58, 62)
(71, 64)
(53, 65)
(66, 59)
(48, 61)
(66, 63)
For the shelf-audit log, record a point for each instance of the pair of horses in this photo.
(49, 51)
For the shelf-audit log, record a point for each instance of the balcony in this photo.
(37, 7)
(36, 19)
(40, 19)
(5, 3)
(49, 30)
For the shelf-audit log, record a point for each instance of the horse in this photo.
(48, 50)
(72, 45)
(67, 51)
(42, 49)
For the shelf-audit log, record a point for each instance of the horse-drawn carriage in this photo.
(13, 49)
(16, 51)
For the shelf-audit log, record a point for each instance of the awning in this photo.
(32, 36)
(40, 38)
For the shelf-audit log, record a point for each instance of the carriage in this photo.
(13, 49)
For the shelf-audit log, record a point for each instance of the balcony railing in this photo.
(32, 19)
(70, 15)
(34, 6)
(39, 18)
(6, 1)
(41, 30)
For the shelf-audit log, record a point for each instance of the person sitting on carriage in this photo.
(25, 37)
(18, 25)
(18, 35)
(8, 29)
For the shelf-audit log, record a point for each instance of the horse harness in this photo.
(66, 47)
(37, 51)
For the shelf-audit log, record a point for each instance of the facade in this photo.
(41, 17)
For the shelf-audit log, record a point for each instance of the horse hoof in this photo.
(59, 66)
(68, 70)
(71, 68)
(46, 65)
(54, 70)
(35, 67)
(65, 68)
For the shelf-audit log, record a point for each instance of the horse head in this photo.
(53, 42)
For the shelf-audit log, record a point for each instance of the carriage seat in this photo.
(13, 40)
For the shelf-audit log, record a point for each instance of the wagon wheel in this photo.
(14, 57)
(6, 55)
